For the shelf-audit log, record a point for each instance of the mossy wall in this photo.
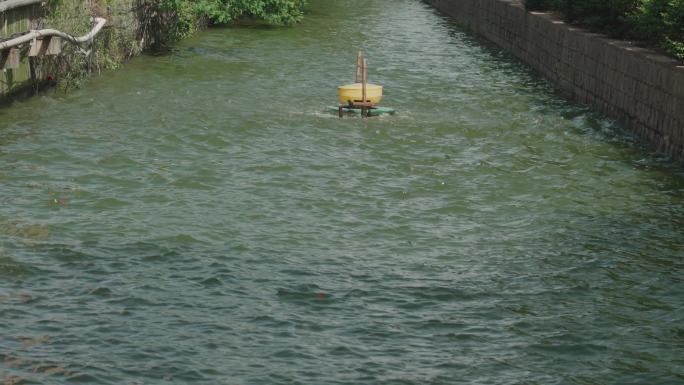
(121, 39)
(133, 25)
(116, 42)
(11, 22)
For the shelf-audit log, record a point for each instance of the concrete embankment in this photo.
(640, 88)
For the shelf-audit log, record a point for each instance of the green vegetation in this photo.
(658, 23)
(135, 25)
(169, 20)
(109, 49)
(272, 11)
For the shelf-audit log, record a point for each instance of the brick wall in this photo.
(641, 89)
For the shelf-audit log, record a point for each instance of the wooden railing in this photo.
(6, 5)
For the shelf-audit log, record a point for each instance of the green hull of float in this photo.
(377, 111)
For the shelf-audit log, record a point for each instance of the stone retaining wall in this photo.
(641, 89)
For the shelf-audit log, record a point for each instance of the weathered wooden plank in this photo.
(48, 45)
(15, 20)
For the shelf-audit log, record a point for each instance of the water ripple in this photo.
(186, 219)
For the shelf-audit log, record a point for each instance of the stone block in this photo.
(678, 125)
(659, 99)
(662, 124)
(615, 54)
(629, 84)
(616, 97)
(641, 111)
(571, 39)
(596, 47)
(645, 93)
(558, 49)
(654, 117)
(574, 58)
(532, 23)
(664, 79)
(661, 67)
(600, 89)
(631, 65)
(587, 43)
(554, 45)
(648, 72)
(623, 101)
(566, 55)
(631, 106)
(613, 111)
(670, 127)
(577, 78)
(557, 67)
(547, 70)
(582, 95)
(564, 81)
(677, 107)
(678, 81)
(583, 79)
(517, 13)
(592, 84)
(612, 94)
(641, 92)
(602, 72)
(547, 28)
(616, 79)
(608, 93)
(539, 41)
(587, 65)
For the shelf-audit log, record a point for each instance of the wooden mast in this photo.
(364, 109)
(359, 59)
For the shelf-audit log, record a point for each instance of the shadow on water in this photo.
(539, 88)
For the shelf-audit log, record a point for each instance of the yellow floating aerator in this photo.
(361, 96)
(354, 93)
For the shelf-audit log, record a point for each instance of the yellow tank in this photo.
(353, 92)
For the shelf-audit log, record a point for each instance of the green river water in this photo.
(196, 218)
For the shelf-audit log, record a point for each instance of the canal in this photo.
(196, 218)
